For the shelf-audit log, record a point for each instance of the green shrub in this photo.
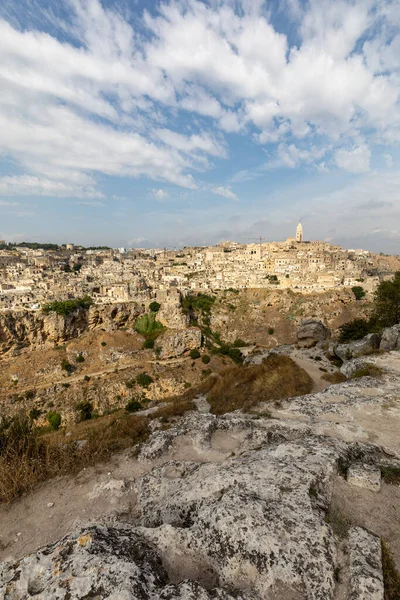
(130, 383)
(239, 343)
(84, 411)
(154, 307)
(205, 359)
(103, 343)
(271, 330)
(356, 329)
(358, 292)
(86, 378)
(54, 419)
(387, 302)
(34, 414)
(80, 358)
(144, 380)
(66, 366)
(194, 353)
(133, 405)
(66, 307)
(148, 343)
(66, 385)
(148, 326)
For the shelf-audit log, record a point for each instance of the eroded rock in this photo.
(312, 331)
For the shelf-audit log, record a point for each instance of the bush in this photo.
(148, 343)
(205, 359)
(154, 307)
(80, 358)
(84, 411)
(130, 383)
(355, 330)
(239, 343)
(86, 378)
(103, 343)
(358, 292)
(54, 419)
(34, 414)
(148, 326)
(387, 302)
(271, 330)
(66, 366)
(133, 405)
(144, 380)
(66, 307)
(194, 353)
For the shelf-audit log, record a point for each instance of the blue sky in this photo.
(140, 123)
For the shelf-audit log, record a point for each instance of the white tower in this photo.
(299, 232)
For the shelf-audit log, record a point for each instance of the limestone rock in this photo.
(174, 344)
(311, 331)
(364, 476)
(366, 579)
(349, 367)
(367, 345)
(390, 338)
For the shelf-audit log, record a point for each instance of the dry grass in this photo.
(391, 576)
(336, 377)
(27, 458)
(242, 387)
(174, 408)
(368, 371)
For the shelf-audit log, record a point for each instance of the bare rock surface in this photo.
(367, 345)
(365, 476)
(311, 331)
(175, 343)
(234, 506)
(390, 338)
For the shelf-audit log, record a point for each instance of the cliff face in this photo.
(234, 507)
(33, 328)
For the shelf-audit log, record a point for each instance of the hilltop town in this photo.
(31, 276)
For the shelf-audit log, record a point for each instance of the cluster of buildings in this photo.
(30, 277)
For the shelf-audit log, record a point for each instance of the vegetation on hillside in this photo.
(385, 312)
(65, 307)
(148, 326)
(244, 386)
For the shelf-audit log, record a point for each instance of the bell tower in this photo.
(299, 232)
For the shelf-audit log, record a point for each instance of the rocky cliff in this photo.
(240, 506)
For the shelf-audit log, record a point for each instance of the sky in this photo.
(145, 123)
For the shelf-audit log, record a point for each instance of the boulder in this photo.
(367, 345)
(390, 338)
(312, 331)
(349, 367)
(174, 344)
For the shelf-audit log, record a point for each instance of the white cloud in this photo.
(355, 160)
(226, 192)
(388, 160)
(160, 194)
(111, 102)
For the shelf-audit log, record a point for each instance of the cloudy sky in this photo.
(152, 123)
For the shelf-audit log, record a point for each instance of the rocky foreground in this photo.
(238, 507)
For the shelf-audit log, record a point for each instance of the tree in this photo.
(387, 302)
(358, 292)
(154, 306)
(194, 353)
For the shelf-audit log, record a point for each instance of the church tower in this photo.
(299, 232)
